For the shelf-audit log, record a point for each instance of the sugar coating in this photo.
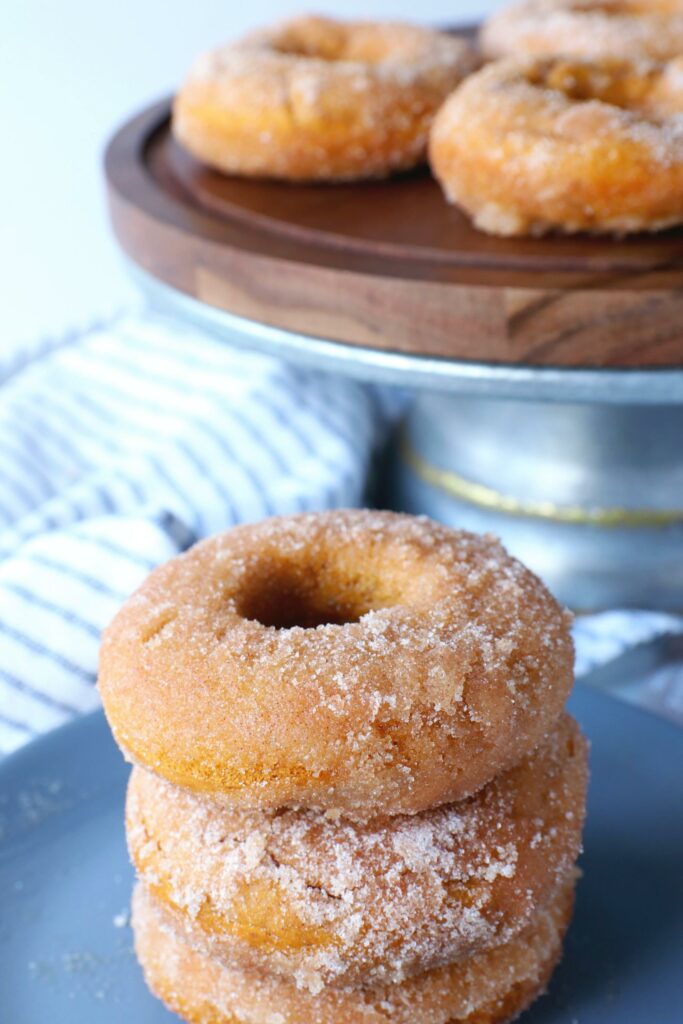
(428, 661)
(327, 901)
(529, 145)
(596, 29)
(493, 986)
(318, 99)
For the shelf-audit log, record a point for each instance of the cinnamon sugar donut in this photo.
(319, 100)
(368, 662)
(489, 988)
(329, 902)
(528, 146)
(596, 29)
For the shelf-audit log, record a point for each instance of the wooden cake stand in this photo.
(549, 371)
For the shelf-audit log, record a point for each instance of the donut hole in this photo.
(626, 8)
(311, 39)
(287, 605)
(614, 82)
(287, 595)
(330, 41)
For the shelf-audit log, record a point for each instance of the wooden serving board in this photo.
(390, 264)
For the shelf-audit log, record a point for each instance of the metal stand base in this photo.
(589, 496)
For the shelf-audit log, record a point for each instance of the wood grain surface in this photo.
(390, 264)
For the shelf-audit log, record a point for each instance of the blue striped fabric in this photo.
(119, 448)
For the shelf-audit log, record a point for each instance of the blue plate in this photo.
(65, 945)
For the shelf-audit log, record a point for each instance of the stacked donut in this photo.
(356, 794)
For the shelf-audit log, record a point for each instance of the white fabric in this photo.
(120, 447)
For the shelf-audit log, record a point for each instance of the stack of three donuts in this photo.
(356, 793)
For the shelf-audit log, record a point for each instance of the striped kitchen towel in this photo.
(120, 447)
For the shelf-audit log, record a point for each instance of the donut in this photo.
(597, 29)
(331, 902)
(363, 662)
(489, 988)
(314, 99)
(538, 144)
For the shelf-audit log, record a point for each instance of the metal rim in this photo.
(434, 373)
(492, 500)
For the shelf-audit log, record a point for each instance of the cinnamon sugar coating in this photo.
(596, 29)
(319, 100)
(329, 902)
(531, 145)
(489, 988)
(357, 661)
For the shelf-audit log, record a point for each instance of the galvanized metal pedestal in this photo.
(580, 472)
(589, 495)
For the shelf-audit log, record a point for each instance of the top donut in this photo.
(362, 662)
(315, 99)
(596, 29)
